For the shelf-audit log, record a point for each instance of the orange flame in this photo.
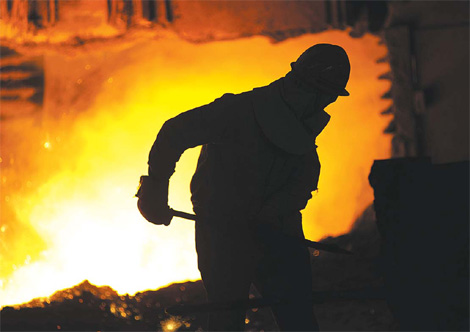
(69, 183)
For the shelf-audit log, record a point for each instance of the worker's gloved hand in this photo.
(153, 200)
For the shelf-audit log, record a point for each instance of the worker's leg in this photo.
(227, 268)
(284, 273)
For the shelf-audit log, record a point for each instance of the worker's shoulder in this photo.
(232, 98)
(230, 105)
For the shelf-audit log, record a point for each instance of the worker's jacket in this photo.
(258, 162)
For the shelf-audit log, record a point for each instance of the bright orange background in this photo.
(71, 186)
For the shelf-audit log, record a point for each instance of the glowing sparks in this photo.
(173, 324)
(47, 145)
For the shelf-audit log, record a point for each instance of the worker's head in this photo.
(324, 68)
(304, 100)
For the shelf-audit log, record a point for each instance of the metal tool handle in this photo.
(183, 215)
(330, 247)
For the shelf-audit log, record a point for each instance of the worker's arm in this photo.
(199, 126)
(294, 195)
(202, 125)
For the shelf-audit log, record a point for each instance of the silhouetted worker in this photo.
(256, 171)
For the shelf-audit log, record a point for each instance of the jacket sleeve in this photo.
(294, 195)
(202, 125)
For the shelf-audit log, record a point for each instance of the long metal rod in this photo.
(183, 215)
(333, 248)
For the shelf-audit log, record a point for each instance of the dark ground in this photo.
(86, 307)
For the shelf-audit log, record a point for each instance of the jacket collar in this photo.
(317, 122)
(280, 125)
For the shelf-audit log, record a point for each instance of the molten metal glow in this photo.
(173, 324)
(69, 211)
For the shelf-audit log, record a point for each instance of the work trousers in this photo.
(232, 255)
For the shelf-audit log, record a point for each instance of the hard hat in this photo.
(324, 67)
